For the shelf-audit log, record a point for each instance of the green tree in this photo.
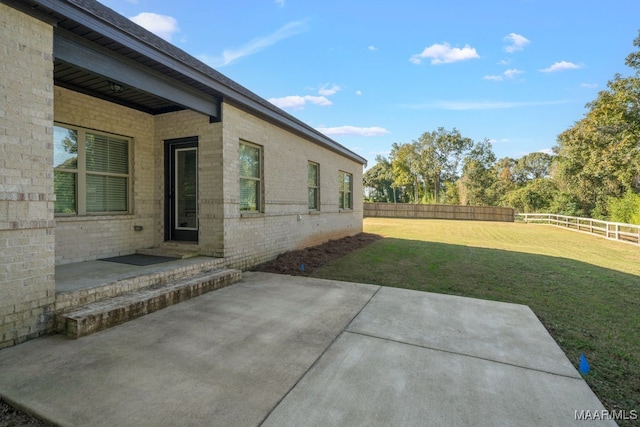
(478, 176)
(440, 154)
(565, 204)
(625, 209)
(405, 167)
(599, 157)
(531, 166)
(505, 181)
(379, 179)
(536, 196)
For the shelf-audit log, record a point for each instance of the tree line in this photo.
(593, 171)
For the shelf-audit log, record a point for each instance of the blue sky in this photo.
(371, 73)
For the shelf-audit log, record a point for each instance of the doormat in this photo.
(138, 259)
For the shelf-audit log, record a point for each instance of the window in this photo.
(250, 177)
(313, 179)
(65, 163)
(345, 182)
(91, 172)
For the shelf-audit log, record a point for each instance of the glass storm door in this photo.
(182, 190)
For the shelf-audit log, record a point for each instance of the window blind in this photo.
(106, 193)
(107, 154)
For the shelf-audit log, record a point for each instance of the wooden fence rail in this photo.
(410, 210)
(629, 233)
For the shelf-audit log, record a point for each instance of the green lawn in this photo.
(584, 289)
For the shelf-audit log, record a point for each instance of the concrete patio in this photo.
(279, 350)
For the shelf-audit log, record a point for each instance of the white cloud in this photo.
(372, 48)
(508, 74)
(512, 72)
(589, 85)
(285, 102)
(504, 61)
(318, 100)
(161, 25)
(516, 42)
(279, 2)
(445, 54)
(325, 90)
(353, 131)
(358, 92)
(561, 66)
(256, 45)
(480, 105)
(548, 151)
(298, 102)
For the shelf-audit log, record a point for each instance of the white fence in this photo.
(629, 233)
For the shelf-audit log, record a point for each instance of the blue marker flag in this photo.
(584, 365)
(301, 267)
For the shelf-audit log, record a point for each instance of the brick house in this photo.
(113, 140)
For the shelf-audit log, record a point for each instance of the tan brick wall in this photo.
(111, 235)
(286, 222)
(32, 241)
(26, 184)
(250, 239)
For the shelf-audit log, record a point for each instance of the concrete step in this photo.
(114, 311)
(111, 285)
(173, 250)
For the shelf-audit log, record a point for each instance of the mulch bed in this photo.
(10, 417)
(302, 262)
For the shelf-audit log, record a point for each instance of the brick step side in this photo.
(117, 310)
(71, 301)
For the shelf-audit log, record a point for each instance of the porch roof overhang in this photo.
(101, 73)
(93, 45)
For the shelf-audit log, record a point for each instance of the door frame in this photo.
(171, 232)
